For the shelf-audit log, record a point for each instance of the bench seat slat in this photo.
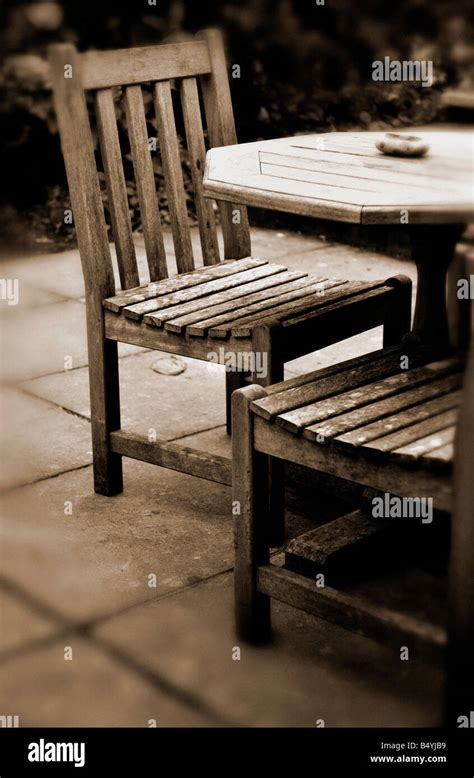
(396, 401)
(380, 433)
(204, 289)
(140, 294)
(223, 303)
(364, 394)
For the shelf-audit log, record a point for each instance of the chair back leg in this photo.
(266, 341)
(105, 411)
(249, 507)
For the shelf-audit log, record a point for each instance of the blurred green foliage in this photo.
(303, 68)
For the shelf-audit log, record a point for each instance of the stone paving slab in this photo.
(351, 263)
(315, 507)
(338, 352)
(60, 273)
(173, 405)
(313, 670)
(39, 440)
(38, 343)
(29, 296)
(214, 441)
(98, 560)
(21, 623)
(91, 690)
(284, 245)
(95, 563)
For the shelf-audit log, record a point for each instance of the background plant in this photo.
(304, 68)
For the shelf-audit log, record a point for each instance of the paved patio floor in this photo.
(118, 611)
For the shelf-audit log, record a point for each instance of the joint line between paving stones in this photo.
(164, 685)
(85, 632)
(10, 489)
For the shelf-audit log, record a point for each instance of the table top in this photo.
(342, 176)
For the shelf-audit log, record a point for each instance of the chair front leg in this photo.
(234, 379)
(105, 409)
(250, 509)
(266, 344)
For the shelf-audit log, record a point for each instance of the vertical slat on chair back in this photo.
(161, 66)
(145, 182)
(118, 203)
(197, 160)
(171, 161)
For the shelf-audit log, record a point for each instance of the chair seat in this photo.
(371, 408)
(230, 298)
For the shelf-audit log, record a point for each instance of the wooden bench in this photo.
(206, 304)
(391, 421)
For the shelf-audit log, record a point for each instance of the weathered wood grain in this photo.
(116, 189)
(173, 174)
(221, 131)
(103, 69)
(396, 402)
(197, 160)
(219, 285)
(365, 394)
(131, 297)
(342, 176)
(145, 181)
(352, 612)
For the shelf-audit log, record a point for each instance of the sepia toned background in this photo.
(118, 612)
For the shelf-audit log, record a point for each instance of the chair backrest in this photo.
(200, 62)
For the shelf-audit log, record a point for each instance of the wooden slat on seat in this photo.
(174, 284)
(440, 456)
(170, 158)
(241, 326)
(395, 429)
(303, 311)
(101, 69)
(364, 394)
(427, 444)
(371, 407)
(323, 383)
(394, 400)
(145, 181)
(283, 397)
(117, 193)
(204, 289)
(175, 319)
(197, 160)
(251, 310)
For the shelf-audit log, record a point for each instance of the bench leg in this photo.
(105, 413)
(233, 380)
(249, 508)
(265, 340)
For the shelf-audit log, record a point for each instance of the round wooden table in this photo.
(342, 176)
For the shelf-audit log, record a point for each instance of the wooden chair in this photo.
(201, 309)
(391, 430)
